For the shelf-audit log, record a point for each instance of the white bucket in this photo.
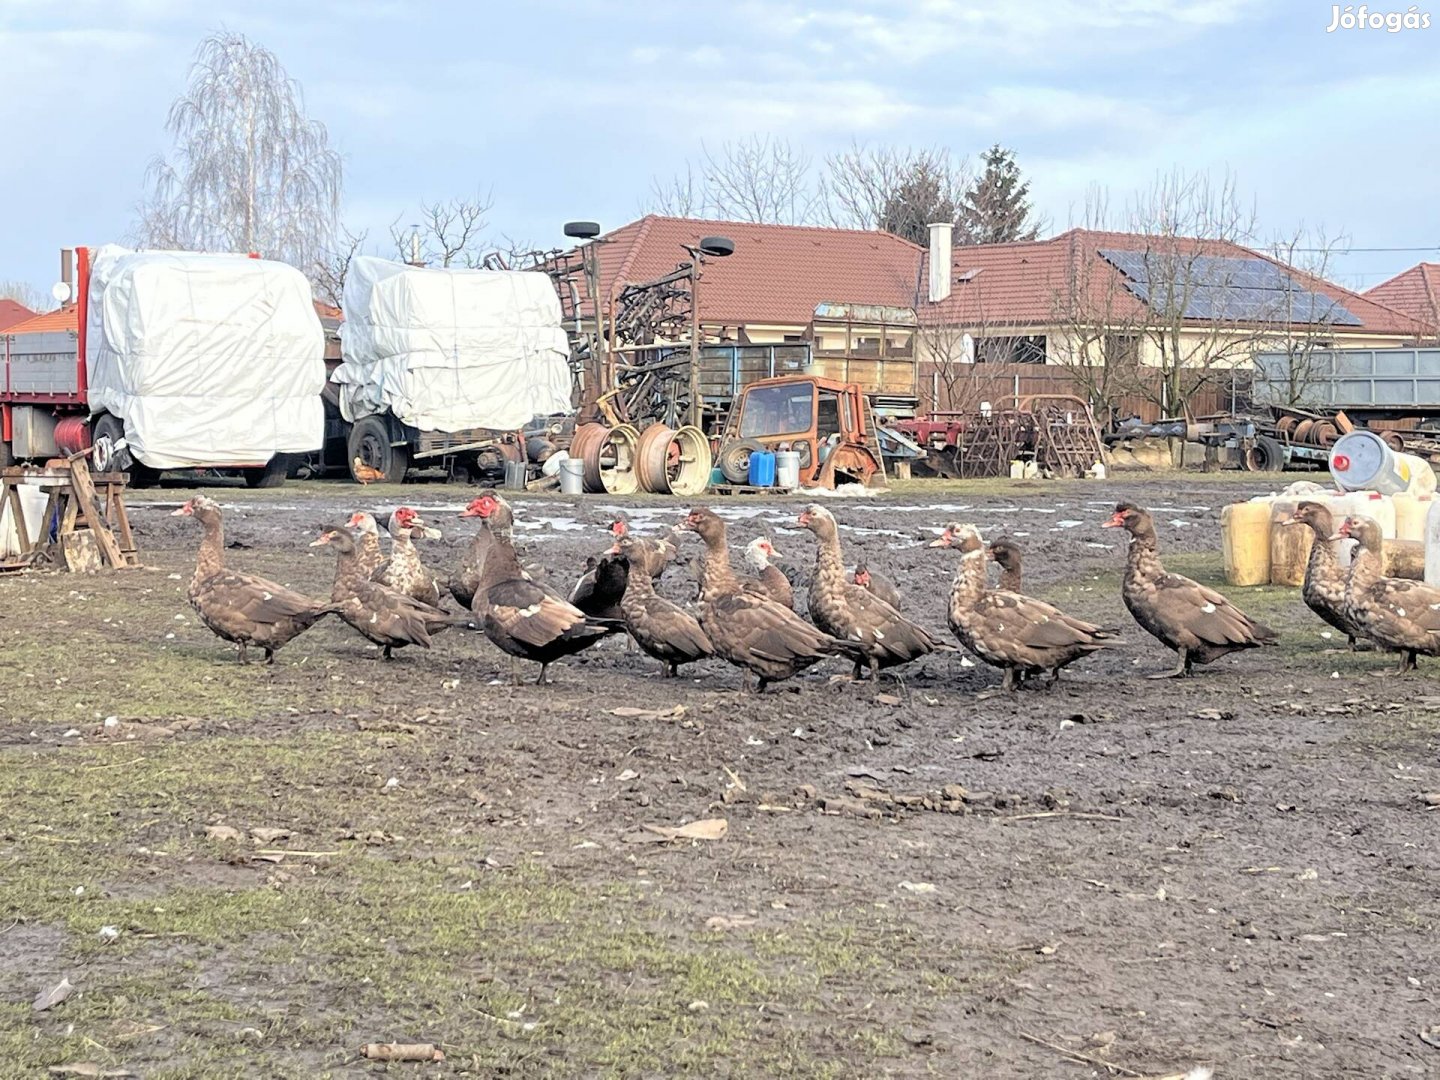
(1363, 461)
(32, 505)
(551, 467)
(787, 469)
(572, 476)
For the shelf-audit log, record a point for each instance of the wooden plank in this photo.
(115, 500)
(93, 514)
(12, 496)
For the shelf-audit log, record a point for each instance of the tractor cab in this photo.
(827, 423)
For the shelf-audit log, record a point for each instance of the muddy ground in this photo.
(1115, 877)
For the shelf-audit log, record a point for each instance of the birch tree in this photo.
(249, 170)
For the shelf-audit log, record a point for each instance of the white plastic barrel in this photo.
(572, 476)
(1371, 504)
(32, 505)
(1363, 461)
(787, 469)
(1432, 544)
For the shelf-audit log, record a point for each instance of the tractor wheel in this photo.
(734, 459)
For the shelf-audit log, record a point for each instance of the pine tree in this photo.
(996, 209)
(922, 196)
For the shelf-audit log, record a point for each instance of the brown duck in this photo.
(667, 548)
(1324, 590)
(1006, 555)
(750, 631)
(404, 571)
(769, 580)
(846, 611)
(519, 617)
(1393, 612)
(1197, 622)
(499, 524)
(1016, 633)
(243, 608)
(878, 584)
(367, 540)
(661, 628)
(384, 615)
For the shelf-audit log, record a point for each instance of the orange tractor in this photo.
(828, 423)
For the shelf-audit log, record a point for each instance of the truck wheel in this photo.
(370, 442)
(734, 459)
(272, 475)
(108, 431)
(1267, 455)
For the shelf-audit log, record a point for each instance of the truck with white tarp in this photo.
(196, 361)
(443, 367)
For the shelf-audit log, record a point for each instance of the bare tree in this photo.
(761, 179)
(900, 191)
(1101, 322)
(330, 271)
(250, 171)
(1197, 322)
(26, 295)
(683, 195)
(448, 233)
(1307, 325)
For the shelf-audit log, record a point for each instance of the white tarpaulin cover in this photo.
(446, 350)
(207, 359)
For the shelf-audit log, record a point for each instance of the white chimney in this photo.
(941, 233)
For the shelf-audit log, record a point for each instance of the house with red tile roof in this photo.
(62, 318)
(1416, 292)
(12, 312)
(1029, 297)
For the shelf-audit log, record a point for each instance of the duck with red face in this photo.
(1200, 624)
(404, 570)
(770, 578)
(520, 617)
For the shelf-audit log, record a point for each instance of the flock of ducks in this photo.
(751, 621)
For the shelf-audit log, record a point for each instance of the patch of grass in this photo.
(508, 968)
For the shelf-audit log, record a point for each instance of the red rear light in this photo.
(1341, 462)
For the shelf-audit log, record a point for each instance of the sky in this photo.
(567, 109)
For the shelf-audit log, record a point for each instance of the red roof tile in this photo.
(1029, 282)
(60, 319)
(12, 312)
(777, 274)
(1416, 292)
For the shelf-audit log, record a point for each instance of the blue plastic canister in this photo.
(762, 469)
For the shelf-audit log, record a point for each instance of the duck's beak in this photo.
(430, 533)
(804, 519)
(1117, 521)
(944, 541)
(613, 549)
(774, 554)
(322, 540)
(186, 510)
(1292, 520)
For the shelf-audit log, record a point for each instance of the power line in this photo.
(1360, 250)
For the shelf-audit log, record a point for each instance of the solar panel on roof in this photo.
(1224, 288)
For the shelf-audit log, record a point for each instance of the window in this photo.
(777, 410)
(1011, 350)
(1122, 350)
(867, 345)
(827, 415)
